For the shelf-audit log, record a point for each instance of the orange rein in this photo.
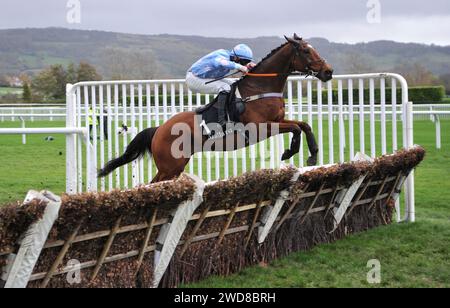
(262, 75)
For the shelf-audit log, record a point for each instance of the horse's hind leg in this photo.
(169, 169)
(171, 149)
(161, 177)
(157, 177)
(164, 174)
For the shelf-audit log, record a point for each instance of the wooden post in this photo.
(61, 256)
(255, 220)
(344, 200)
(332, 201)
(106, 248)
(194, 232)
(227, 225)
(151, 224)
(392, 192)
(378, 193)
(316, 198)
(360, 195)
(291, 208)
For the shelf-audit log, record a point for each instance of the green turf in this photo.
(411, 255)
(37, 165)
(7, 90)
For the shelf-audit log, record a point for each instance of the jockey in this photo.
(216, 65)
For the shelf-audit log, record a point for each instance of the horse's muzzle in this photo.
(325, 75)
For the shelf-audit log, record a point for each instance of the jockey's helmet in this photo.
(242, 51)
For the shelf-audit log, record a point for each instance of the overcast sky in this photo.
(337, 20)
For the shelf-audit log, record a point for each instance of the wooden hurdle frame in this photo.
(172, 238)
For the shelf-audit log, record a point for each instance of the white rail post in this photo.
(438, 131)
(320, 121)
(24, 136)
(411, 212)
(341, 122)
(408, 143)
(71, 143)
(373, 149)
(351, 116)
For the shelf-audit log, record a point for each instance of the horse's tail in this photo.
(136, 149)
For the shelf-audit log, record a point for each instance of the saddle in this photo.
(235, 107)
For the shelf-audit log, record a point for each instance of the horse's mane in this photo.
(274, 51)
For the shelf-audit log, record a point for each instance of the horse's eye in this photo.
(307, 51)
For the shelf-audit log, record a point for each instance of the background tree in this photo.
(357, 63)
(51, 82)
(25, 78)
(60, 74)
(122, 64)
(417, 75)
(45, 84)
(26, 93)
(3, 81)
(445, 81)
(71, 75)
(87, 72)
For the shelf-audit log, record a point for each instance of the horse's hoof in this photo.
(287, 155)
(312, 161)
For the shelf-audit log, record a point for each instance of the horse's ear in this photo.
(292, 41)
(298, 38)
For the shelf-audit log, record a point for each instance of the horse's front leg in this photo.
(284, 128)
(310, 138)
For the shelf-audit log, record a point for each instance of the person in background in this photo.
(105, 123)
(92, 121)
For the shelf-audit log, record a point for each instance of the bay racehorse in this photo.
(269, 76)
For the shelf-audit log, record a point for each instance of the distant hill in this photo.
(30, 50)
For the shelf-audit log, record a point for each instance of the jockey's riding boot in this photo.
(222, 100)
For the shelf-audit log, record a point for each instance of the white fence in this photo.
(431, 112)
(32, 113)
(140, 104)
(58, 113)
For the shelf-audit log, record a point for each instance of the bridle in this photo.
(308, 71)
